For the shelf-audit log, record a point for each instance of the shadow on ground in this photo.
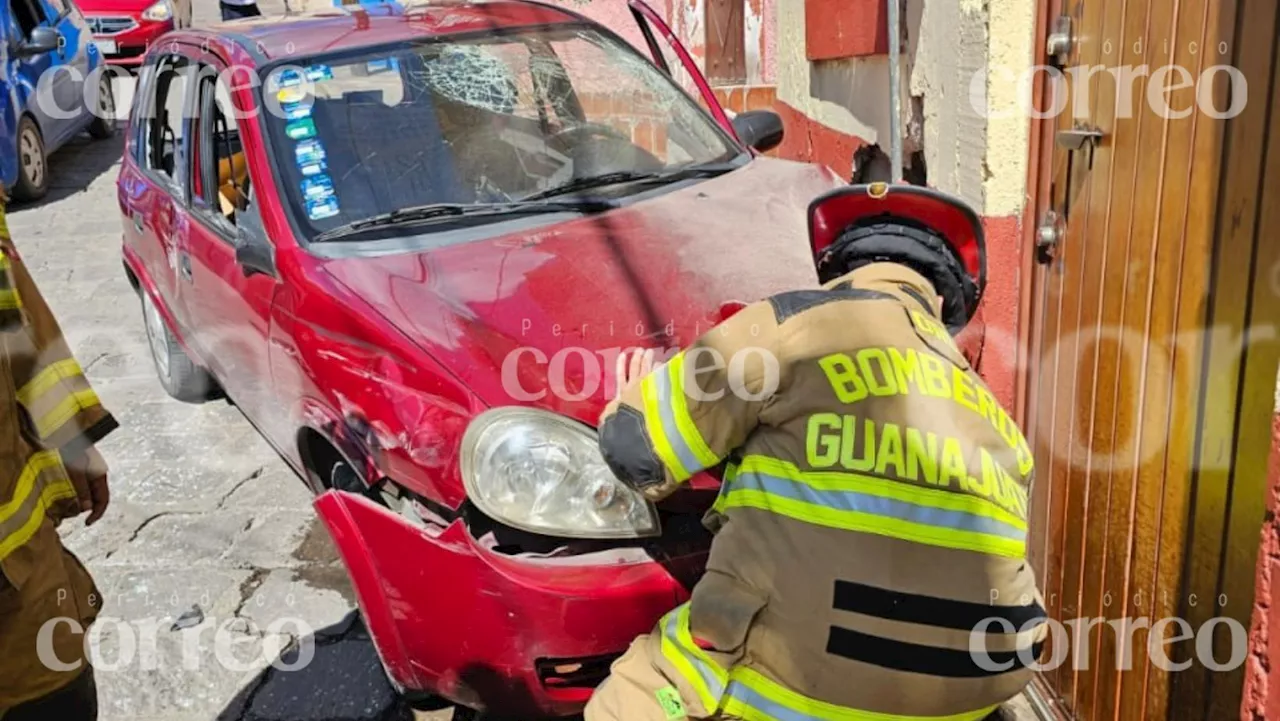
(343, 681)
(76, 165)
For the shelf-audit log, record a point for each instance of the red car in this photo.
(125, 29)
(408, 243)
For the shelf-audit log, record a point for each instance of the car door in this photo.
(51, 96)
(229, 309)
(8, 122)
(656, 32)
(73, 54)
(153, 197)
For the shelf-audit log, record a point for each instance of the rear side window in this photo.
(221, 188)
(164, 139)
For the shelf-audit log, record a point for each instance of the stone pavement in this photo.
(210, 558)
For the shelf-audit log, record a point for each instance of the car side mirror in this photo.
(759, 129)
(254, 253)
(42, 40)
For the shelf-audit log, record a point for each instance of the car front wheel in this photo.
(181, 377)
(33, 164)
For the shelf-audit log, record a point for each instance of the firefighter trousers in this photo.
(635, 690)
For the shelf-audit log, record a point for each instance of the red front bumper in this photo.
(490, 631)
(131, 44)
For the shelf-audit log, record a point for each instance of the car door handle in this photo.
(184, 265)
(137, 221)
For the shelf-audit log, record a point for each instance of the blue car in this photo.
(49, 90)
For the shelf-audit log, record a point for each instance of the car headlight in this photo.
(543, 473)
(159, 11)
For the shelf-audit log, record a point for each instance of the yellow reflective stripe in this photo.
(67, 408)
(730, 472)
(47, 379)
(653, 425)
(684, 422)
(692, 664)
(9, 300)
(879, 525)
(38, 463)
(60, 488)
(885, 488)
(754, 697)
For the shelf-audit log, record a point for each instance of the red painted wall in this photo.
(1262, 672)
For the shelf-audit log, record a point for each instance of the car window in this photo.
(166, 126)
(482, 120)
(221, 185)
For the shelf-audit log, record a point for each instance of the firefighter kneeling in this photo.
(874, 496)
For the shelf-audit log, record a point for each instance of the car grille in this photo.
(104, 25)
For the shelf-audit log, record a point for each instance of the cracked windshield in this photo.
(525, 116)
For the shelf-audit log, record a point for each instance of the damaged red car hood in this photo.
(534, 318)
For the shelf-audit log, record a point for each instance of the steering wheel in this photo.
(570, 137)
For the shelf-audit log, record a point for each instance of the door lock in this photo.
(1078, 137)
(1061, 41)
(1049, 234)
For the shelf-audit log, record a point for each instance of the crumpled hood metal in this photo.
(563, 297)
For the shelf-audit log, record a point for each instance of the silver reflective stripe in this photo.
(667, 415)
(877, 505)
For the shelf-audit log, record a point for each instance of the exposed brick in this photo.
(845, 29)
(807, 140)
(760, 97)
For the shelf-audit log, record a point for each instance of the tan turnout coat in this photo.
(871, 524)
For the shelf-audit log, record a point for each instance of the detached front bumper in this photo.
(124, 39)
(511, 635)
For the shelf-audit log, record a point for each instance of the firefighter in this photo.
(872, 518)
(50, 471)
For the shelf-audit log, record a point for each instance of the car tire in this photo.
(104, 119)
(33, 163)
(179, 375)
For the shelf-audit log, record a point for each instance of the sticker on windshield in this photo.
(317, 187)
(322, 208)
(286, 78)
(319, 72)
(309, 151)
(313, 168)
(296, 111)
(381, 66)
(301, 129)
(291, 94)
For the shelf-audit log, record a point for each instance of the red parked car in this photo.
(409, 254)
(123, 30)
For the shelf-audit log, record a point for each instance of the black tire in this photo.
(33, 162)
(181, 377)
(104, 115)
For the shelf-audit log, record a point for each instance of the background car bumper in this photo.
(512, 635)
(131, 45)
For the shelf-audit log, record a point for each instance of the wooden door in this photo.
(1153, 360)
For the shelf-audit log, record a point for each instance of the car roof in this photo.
(271, 38)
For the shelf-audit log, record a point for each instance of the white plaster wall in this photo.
(949, 48)
(971, 152)
(1012, 30)
(848, 95)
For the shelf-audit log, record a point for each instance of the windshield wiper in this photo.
(587, 182)
(432, 211)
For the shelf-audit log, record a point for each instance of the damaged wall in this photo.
(1262, 672)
